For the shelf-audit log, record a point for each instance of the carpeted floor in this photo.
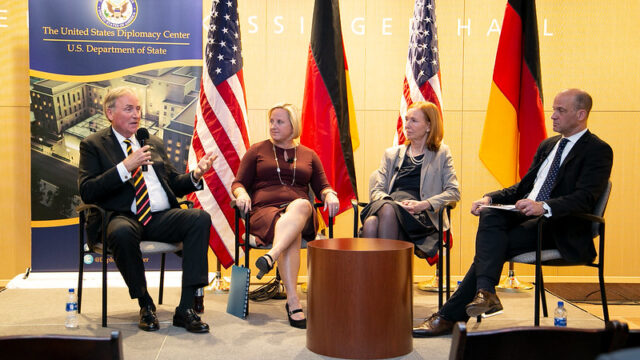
(264, 335)
(617, 293)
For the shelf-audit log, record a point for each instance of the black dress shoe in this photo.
(483, 303)
(300, 324)
(148, 319)
(435, 325)
(189, 320)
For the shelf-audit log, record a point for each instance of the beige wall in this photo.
(15, 216)
(583, 45)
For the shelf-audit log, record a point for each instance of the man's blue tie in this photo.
(545, 191)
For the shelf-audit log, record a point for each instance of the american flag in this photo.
(221, 124)
(422, 73)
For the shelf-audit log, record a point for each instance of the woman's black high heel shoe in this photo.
(263, 265)
(300, 324)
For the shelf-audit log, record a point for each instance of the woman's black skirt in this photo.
(413, 228)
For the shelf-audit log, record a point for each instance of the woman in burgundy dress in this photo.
(273, 184)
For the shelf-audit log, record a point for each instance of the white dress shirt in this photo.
(158, 199)
(546, 165)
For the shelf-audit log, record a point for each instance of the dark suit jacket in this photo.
(99, 181)
(581, 179)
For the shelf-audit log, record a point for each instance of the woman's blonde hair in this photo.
(293, 117)
(432, 114)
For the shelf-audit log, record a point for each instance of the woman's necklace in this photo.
(414, 160)
(295, 161)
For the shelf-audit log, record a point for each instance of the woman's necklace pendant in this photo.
(295, 161)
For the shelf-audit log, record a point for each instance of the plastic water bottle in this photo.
(560, 315)
(72, 310)
(199, 301)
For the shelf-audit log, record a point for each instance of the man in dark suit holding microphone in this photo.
(568, 174)
(132, 178)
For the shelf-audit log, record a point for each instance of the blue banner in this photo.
(89, 38)
(78, 50)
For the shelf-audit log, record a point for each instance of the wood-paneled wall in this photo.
(15, 208)
(582, 44)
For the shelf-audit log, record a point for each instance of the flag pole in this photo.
(431, 285)
(510, 283)
(218, 284)
(515, 89)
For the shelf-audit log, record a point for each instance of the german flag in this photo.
(514, 124)
(328, 117)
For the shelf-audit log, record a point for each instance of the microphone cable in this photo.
(271, 290)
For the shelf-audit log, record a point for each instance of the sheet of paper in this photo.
(501, 207)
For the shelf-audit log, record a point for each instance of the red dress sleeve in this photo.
(319, 181)
(246, 170)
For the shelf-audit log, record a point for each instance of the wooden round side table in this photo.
(360, 298)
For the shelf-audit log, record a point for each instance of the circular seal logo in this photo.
(88, 259)
(117, 14)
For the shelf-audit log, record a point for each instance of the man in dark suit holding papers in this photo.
(137, 186)
(568, 174)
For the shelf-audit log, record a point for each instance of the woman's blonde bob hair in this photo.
(432, 115)
(293, 117)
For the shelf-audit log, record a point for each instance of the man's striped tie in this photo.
(143, 207)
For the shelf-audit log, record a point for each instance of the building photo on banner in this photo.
(74, 61)
(207, 72)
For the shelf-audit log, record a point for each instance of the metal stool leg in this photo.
(543, 296)
(104, 289)
(603, 294)
(161, 278)
(81, 262)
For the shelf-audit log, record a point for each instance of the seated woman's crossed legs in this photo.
(286, 250)
(384, 224)
(289, 227)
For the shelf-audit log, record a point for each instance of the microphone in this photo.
(142, 135)
(290, 160)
